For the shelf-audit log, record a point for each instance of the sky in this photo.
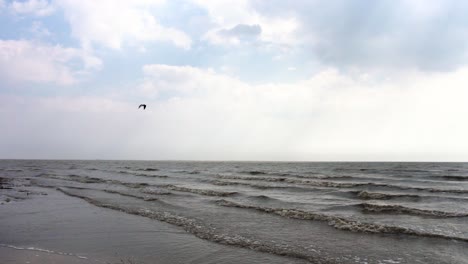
(263, 80)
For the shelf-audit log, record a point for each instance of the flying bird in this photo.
(142, 105)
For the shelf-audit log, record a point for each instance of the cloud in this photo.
(388, 85)
(232, 19)
(428, 35)
(64, 126)
(236, 35)
(114, 23)
(34, 7)
(38, 30)
(183, 81)
(329, 116)
(207, 115)
(242, 32)
(26, 61)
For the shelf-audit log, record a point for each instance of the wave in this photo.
(87, 179)
(269, 179)
(399, 209)
(199, 191)
(150, 175)
(149, 190)
(5, 183)
(207, 232)
(340, 223)
(366, 195)
(314, 183)
(187, 171)
(148, 169)
(255, 172)
(144, 197)
(332, 184)
(73, 177)
(380, 170)
(451, 177)
(256, 186)
(384, 196)
(124, 172)
(29, 192)
(134, 185)
(142, 174)
(14, 170)
(310, 175)
(43, 250)
(260, 197)
(408, 170)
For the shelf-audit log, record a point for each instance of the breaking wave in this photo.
(451, 178)
(257, 186)
(199, 191)
(149, 169)
(399, 209)
(385, 196)
(340, 223)
(87, 179)
(141, 197)
(207, 232)
(366, 195)
(333, 184)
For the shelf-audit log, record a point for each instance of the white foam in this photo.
(43, 250)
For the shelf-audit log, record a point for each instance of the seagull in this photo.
(142, 105)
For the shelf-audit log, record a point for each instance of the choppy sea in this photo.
(301, 212)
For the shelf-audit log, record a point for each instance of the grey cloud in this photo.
(381, 33)
(243, 31)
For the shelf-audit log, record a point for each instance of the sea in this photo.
(237, 212)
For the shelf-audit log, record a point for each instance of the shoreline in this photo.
(13, 255)
(56, 228)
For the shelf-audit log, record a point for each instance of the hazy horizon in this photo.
(227, 80)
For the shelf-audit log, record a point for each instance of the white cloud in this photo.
(329, 116)
(184, 80)
(113, 23)
(34, 7)
(61, 127)
(38, 30)
(228, 14)
(427, 35)
(25, 61)
(206, 115)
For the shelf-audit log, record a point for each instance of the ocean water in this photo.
(296, 212)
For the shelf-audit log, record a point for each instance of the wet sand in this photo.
(55, 228)
(227, 212)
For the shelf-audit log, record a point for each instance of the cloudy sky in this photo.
(298, 80)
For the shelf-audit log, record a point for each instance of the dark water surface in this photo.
(237, 212)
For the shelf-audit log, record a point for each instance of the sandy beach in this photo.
(42, 225)
(226, 212)
(15, 256)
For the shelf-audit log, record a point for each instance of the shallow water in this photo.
(301, 212)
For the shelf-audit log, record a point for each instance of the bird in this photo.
(142, 105)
